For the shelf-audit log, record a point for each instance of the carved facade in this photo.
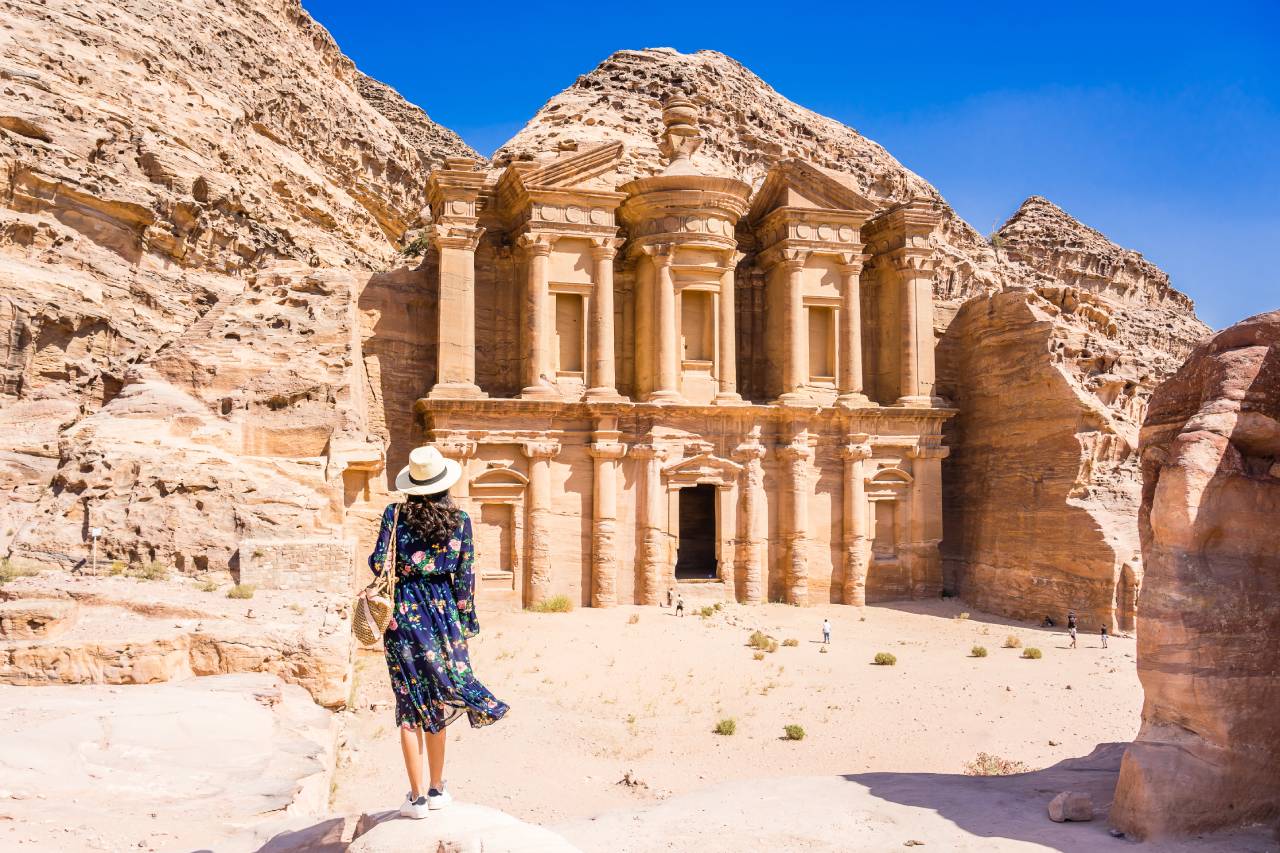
(676, 383)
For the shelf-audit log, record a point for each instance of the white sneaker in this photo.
(416, 809)
(438, 799)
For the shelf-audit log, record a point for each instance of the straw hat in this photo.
(427, 473)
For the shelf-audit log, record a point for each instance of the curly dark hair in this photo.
(434, 518)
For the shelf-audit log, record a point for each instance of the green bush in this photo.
(885, 659)
(241, 590)
(1032, 654)
(978, 651)
(794, 732)
(554, 604)
(117, 568)
(727, 726)
(1012, 642)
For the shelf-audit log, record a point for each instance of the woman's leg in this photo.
(435, 758)
(411, 746)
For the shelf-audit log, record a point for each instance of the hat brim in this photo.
(452, 473)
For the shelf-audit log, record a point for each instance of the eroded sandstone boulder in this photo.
(1209, 645)
(462, 828)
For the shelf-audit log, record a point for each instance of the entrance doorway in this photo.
(696, 554)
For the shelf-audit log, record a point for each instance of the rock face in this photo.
(162, 374)
(1207, 752)
(1041, 506)
(462, 828)
(139, 779)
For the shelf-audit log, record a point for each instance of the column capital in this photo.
(536, 243)
(541, 449)
(856, 452)
(456, 446)
(748, 452)
(662, 253)
(649, 451)
(446, 236)
(732, 257)
(914, 261)
(852, 263)
(607, 450)
(793, 260)
(928, 451)
(605, 248)
(799, 448)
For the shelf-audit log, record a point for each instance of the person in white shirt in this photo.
(826, 632)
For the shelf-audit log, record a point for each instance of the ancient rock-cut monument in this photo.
(678, 383)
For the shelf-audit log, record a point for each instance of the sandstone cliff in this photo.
(1041, 506)
(1209, 648)
(154, 158)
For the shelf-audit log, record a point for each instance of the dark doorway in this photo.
(696, 556)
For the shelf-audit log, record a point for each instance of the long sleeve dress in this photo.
(426, 641)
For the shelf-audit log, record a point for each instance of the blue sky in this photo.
(1158, 124)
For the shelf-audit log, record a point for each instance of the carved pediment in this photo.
(800, 185)
(500, 482)
(703, 468)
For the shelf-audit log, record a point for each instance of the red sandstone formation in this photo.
(1209, 646)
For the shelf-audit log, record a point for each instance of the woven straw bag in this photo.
(372, 612)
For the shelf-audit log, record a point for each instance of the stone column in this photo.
(849, 379)
(604, 384)
(537, 317)
(795, 369)
(750, 543)
(926, 519)
(727, 332)
(915, 271)
(456, 332)
(458, 447)
(606, 450)
(665, 331)
(652, 522)
(538, 526)
(856, 544)
(799, 457)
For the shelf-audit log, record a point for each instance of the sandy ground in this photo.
(597, 698)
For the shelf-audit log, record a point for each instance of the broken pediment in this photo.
(800, 185)
(703, 468)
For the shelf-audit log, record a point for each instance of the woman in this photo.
(426, 640)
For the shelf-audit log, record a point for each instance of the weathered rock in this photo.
(36, 619)
(1052, 382)
(1209, 645)
(142, 632)
(1071, 805)
(462, 828)
(98, 767)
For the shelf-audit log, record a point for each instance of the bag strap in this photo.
(389, 563)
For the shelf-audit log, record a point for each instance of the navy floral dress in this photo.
(426, 641)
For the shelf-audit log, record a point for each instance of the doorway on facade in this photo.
(696, 554)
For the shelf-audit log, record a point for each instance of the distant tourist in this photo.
(1102, 631)
(669, 598)
(826, 632)
(1072, 626)
(428, 545)
(1048, 622)
(680, 606)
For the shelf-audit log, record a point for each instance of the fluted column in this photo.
(538, 524)
(926, 519)
(604, 383)
(856, 544)
(750, 540)
(915, 272)
(537, 317)
(606, 450)
(795, 369)
(799, 457)
(665, 332)
(727, 334)
(456, 312)
(652, 521)
(849, 379)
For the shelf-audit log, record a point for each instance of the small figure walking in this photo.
(668, 598)
(1071, 627)
(826, 632)
(680, 606)
(1102, 631)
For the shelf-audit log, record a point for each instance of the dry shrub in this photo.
(1032, 654)
(987, 764)
(885, 659)
(241, 590)
(758, 656)
(790, 642)
(793, 732)
(635, 618)
(762, 641)
(1012, 642)
(978, 652)
(727, 726)
(554, 604)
